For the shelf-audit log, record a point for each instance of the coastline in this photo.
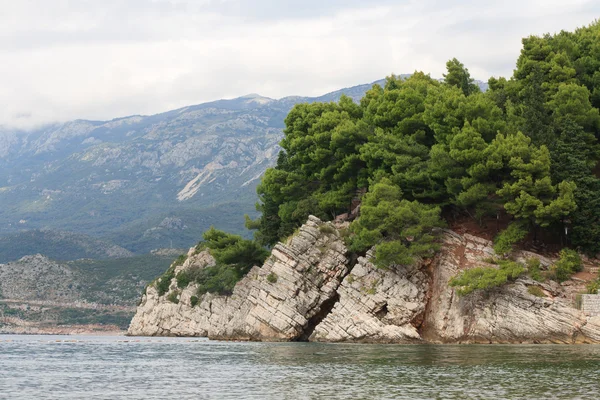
(322, 296)
(67, 330)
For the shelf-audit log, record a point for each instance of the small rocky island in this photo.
(309, 289)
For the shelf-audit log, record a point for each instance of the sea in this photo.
(120, 367)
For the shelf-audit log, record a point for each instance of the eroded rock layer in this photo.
(509, 314)
(308, 289)
(305, 274)
(376, 306)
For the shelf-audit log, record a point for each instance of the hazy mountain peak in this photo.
(257, 98)
(253, 96)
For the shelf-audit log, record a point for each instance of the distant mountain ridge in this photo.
(145, 182)
(57, 245)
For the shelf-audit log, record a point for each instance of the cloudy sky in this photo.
(100, 59)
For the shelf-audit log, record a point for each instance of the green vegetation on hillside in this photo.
(416, 149)
(234, 258)
(400, 229)
(483, 278)
(57, 245)
(568, 264)
(526, 148)
(117, 281)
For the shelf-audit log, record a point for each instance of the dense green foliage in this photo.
(568, 263)
(534, 269)
(416, 149)
(234, 257)
(400, 229)
(503, 243)
(185, 277)
(163, 282)
(526, 148)
(173, 297)
(536, 291)
(484, 278)
(272, 277)
(593, 287)
(459, 76)
(234, 251)
(219, 279)
(180, 260)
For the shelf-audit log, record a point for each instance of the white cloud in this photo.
(62, 60)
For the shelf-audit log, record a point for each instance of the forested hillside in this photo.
(524, 152)
(38, 294)
(518, 161)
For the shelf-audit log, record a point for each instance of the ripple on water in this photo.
(43, 367)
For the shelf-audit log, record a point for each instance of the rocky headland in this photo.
(311, 289)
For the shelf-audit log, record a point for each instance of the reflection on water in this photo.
(66, 367)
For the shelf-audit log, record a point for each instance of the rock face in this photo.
(509, 314)
(309, 289)
(281, 301)
(378, 306)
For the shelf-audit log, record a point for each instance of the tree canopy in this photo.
(414, 148)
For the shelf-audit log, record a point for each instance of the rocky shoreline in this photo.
(27, 328)
(308, 289)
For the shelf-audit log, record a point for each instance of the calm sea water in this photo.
(84, 367)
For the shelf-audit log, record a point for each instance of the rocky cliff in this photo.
(308, 289)
(281, 300)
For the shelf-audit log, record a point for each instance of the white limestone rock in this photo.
(508, 314)
(308, 271)
(320, 295)
(376, 306)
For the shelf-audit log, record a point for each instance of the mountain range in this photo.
(140, 182)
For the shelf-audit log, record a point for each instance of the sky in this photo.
(101, 59)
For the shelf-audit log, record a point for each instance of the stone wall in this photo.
(590, 304)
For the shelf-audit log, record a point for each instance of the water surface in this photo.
(85, 367)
